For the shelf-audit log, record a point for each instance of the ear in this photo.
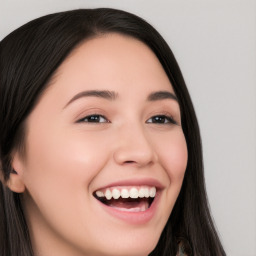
(15, 181)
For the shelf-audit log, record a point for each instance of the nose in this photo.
(133, 146)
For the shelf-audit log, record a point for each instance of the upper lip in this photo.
(151, 182)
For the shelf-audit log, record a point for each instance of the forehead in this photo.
(114, 62)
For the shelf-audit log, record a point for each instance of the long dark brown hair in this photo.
(29, 56)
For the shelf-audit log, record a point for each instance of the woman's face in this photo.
(107, 127)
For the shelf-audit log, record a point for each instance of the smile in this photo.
(127, 199)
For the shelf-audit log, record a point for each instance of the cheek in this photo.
(59, 171)
(173, 156)
(63, 162)
(65, 151)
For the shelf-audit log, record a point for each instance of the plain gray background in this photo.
(214, 42)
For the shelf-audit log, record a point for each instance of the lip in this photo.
(134, 218)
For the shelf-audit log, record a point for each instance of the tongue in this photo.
(129, 206)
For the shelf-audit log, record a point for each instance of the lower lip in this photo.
(135, 218)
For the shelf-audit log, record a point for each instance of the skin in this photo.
(67, 160)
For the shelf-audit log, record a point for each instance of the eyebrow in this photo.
(104, 94)
(111, 95)
(161, 95)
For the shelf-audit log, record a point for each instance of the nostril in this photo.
(129, 162)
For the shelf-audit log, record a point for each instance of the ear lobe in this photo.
(15, 181)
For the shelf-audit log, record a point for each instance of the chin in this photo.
(131, 246)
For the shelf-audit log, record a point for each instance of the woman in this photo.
(100, 146)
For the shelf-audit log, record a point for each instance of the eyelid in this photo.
(170, 118)
(82, 120)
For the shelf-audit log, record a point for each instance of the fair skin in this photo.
(76, 146)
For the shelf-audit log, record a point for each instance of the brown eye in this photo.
(94, 119)
(161, 119)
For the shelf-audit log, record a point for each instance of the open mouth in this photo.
(128, 199)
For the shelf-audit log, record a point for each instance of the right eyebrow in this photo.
(105, 94)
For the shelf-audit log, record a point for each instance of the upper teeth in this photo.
(132, 192)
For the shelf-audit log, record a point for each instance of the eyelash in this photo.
(97, 118)
(94, 118)
(164, 119)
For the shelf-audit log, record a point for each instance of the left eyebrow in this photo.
(161, 95)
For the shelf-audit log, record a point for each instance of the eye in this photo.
(95, 118)
(161, 119)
